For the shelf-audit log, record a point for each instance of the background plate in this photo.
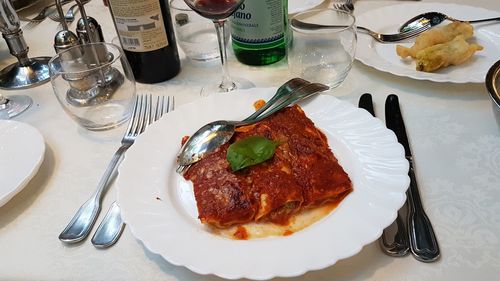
(383, 56)
(295, 6)
(22, 150)
(159, 206)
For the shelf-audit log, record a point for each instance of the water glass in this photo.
(323, 55)
(94, 84)
(195, 34)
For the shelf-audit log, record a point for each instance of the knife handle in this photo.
(365, 102)
(423, 242)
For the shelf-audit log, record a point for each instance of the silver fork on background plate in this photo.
(347, 6)
(42, 15)
(383, 38)
(112, 225)
(69, 17)
(79, 226)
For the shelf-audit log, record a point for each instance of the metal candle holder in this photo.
(26, 72)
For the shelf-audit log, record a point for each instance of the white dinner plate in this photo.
(22, 150)
(295, 6)
(383, 56)
(160, 209)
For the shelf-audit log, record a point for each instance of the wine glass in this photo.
(218, 11)
(323, 55)
(13, 105)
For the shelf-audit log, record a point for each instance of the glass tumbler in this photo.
(195, 34)
(322, 54)
(94, 84)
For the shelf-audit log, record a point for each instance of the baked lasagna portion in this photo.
(302, 174)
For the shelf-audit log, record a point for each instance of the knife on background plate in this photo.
(423, 242)
(394, 239)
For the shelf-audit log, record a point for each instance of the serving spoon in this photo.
(431, 19)
(214, 134)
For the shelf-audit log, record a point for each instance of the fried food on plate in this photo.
(438, 56)
(435, 36)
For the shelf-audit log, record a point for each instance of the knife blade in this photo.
(394, 239)
(423, 241)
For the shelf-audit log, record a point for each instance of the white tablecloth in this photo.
(454, 137)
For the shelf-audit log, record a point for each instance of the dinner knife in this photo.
(394, 239)
(423, 242)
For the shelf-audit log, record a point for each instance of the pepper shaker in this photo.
(26, 72)
(65, 38)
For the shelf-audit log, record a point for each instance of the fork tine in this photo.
(181, 168)
(413, 32)
(134, 114)
(137, 116)
(140, 116)
(55, 17)
(171, 104)
(149, 115)
(163, 105)
(148, 118)
(159, 107)
(30, 25)
(164, 109)
(145, 116)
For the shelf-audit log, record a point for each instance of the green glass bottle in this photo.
(259, 31)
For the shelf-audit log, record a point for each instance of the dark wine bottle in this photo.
(147, 38)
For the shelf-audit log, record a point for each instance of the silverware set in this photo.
(383, 38)
(80, 225)
(50, 12)
(413, 233)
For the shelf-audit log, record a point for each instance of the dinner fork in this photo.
(69, 17)
(112, 225)
(347, 6)
(383, 38)
(80, 225)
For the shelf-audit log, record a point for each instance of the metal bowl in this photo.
(493, 86)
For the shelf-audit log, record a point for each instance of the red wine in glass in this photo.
(218, 11)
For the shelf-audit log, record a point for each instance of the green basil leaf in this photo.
(250, 151)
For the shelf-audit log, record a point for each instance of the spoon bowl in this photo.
(431, 19)
(205, 140)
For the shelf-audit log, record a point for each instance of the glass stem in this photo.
(227, 83)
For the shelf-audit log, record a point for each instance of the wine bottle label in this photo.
(258, 22)
(139, 24)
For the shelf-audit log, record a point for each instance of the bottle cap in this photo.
(181, 19)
